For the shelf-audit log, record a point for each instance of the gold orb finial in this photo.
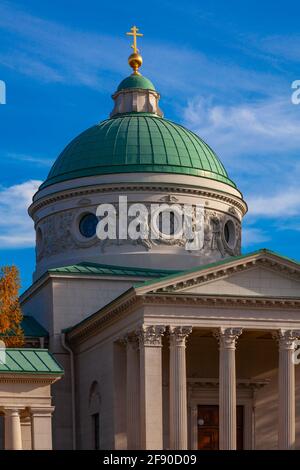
(135, 60)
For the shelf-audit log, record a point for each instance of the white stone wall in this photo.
(58, 209)
(60, 303)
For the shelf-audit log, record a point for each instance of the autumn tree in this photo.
(10, 311)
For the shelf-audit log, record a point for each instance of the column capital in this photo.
(179, 334)
(13, 410)
(286, 338)
(151, 335)
(227, 337)
(131, 340)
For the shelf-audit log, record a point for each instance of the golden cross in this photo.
(134, 32)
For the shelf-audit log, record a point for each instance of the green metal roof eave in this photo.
(27, 364)
(88, 269)
(137, 114)
(137, 168)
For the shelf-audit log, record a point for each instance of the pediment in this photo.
(255, 281)
(260, 274)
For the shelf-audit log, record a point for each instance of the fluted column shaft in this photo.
(286, 388)
(178, 389)
(13, 434)
(151, 414)
(133, 392)
(227, 338)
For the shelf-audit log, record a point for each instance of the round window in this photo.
(166, 222)
(229, 233)
(87, 225)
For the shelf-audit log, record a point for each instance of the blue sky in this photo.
(224, 69)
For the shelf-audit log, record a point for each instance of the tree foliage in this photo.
(10, 311)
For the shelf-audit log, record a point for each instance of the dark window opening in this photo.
(88, 225)
(226, 233)
(96, 430)
(166, 222)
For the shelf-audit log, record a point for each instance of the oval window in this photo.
(88, 225)
(229, 233)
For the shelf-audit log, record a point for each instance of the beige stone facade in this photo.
(26, 410)
(148, 362)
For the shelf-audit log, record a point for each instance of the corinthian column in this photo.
(227, 338)
(151, 419)
(286, 388)
(133, 392)
(178, 400)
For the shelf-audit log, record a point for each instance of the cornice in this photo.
(169, 292)
(166, 187)
(111, 314)
(222, 301)
(214, 273)
(10, 377)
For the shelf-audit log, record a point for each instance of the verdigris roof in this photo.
(136, 81)
(32, 328)
(33, 361)
(110, 270)
(137, 142)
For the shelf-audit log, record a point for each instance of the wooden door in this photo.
(208, 427)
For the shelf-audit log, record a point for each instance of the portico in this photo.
(226, 391)
(232, 353)
(25, 398)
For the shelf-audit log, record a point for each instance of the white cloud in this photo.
(284, 47)
(285, 203)
(40, 161)
(253, 236)
(266, 126)
(50, 51)
(53, 52)
(261, 142)
(16, 227)
(32, 67)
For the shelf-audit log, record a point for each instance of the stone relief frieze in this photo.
(60, 233)
(56, 235)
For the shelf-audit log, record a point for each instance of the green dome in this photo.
(137, 142)
(136, 81)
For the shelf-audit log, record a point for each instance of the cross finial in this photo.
(134, 32)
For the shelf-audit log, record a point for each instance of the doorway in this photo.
(208, 427)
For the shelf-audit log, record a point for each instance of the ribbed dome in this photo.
(137, 142)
